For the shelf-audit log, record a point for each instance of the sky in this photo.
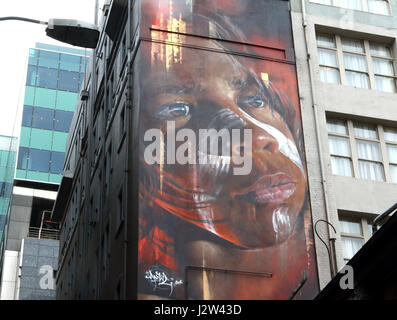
(16, 37)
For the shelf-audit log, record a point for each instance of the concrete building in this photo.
(348, 108)
(344, 56)
(30, 253)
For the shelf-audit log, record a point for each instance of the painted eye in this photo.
(251, 102)
(173, 111)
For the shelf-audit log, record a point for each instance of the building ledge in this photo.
(63, 196)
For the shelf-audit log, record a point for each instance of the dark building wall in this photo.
(92, 245)
(111, 220)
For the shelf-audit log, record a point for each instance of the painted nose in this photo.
(254, 143)
(264, 142)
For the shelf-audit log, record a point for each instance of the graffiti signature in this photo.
(159, 280)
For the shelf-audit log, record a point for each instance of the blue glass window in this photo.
(43, 118)
(68, 81)
(48, 59)
(27, 116)
(31, 76)
(57, 160)
(2, 189)
(23, 156)
(39, 160)
(84, 64)
(3, 218)
(33, 56)
(81, 80)
(5, 189)
(47, 78)
(70, 62)
(63, 119)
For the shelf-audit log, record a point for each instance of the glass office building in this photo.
(54, 78)
(8, 148)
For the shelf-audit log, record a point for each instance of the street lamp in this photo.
(74, 32)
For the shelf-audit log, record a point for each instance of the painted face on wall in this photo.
(211, 90)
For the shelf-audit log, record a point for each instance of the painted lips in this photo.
(268, 189)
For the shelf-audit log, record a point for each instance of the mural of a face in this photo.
(206, 229)
(215, 91)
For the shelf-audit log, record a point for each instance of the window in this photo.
(48, 59)
(68, 81)
(33, 56)
(390, 136)
(31, 76)
(363, 150)
(368, 152)
(352, 237)
(23, 157)
(83, 65)
(327, 57)
(43, 118)
(47, 78)
(62, 120)
(372, 6)
(57, 161)
(3, 189)
(357, 63)
(339, 148)
(383, 67)
(27, 116)
(69, 62)
(379, 7)
(39, 160)
(354, 233)
(3, 220)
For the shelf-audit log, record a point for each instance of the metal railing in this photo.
(42, 233)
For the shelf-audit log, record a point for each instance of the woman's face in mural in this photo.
(211, 90)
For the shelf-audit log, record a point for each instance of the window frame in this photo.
(386, 58)
(346, 136)
(340, 51)
(364, 225)
(392, 143)
(353, 147)
(364, 6)
(334, 49)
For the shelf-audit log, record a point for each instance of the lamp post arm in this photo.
(23, 19)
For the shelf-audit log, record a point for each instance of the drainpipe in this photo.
(320, 149)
